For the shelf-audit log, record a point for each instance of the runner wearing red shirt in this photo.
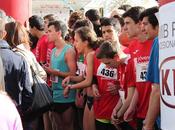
(36, 25)
(107, 79)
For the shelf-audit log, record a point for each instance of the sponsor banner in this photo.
(167, 63)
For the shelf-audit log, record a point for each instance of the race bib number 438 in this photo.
(106, 72)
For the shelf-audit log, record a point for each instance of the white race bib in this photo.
(54, 79)
(105, 72)
(81, 69)
(141, 71)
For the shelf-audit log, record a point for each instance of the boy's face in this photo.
(109, 33)
(148, 29)
(52, 34)
(131, 27)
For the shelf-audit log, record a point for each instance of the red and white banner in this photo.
(167, 63)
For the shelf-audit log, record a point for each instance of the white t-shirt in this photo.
(9, 116)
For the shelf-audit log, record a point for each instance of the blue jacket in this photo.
(16, 77)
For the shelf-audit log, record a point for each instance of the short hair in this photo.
(92, 15)
(134, 13)
(111, 22)
(150, 13)
(59, 26)
(125, 7)
(82, 23)
(106, 50)
(37, 22)
(87, 34)
(74, 17)
(50, 17)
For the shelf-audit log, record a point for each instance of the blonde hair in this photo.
(2, 84)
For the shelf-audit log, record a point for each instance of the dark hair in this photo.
(87, 34)
(150, 13)
(125, 7)
(111, 22)
(106, 50)
(33, 41)
(120, 19)
(82, 23)
(59, 26)
(92, 15)
(74, 17)
(16, 34)
(37, 22)
(50, 17)
(134, 13)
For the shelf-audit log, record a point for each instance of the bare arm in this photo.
(127, 102)
(76, 78)
(154, 107)
(89, 75)
(132, 107)
(71, 62)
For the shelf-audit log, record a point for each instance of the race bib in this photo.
(54, 79)
(141, 71)
(105, 72)
(81, 69)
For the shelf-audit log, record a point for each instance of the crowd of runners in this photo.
(103, 71)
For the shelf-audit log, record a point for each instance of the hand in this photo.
(66, 91)
(66, 81)
(146, 126)
(95, 91)
(48, 69)
(115, 120)
(129, 114)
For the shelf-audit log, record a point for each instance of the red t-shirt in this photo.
(137, 76)
(123, 72)
(104, 106)
(50, 46)
(133, 46)
(41, 49)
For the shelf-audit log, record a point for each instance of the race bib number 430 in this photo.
(106, 72)
(141, 71)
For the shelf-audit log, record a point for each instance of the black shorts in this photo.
(90, 101)
(62, 107)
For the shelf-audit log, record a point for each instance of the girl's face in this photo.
(79, 44)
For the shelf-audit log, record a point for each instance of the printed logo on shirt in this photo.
(141, 65)
(135, 51)
(105, 72)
